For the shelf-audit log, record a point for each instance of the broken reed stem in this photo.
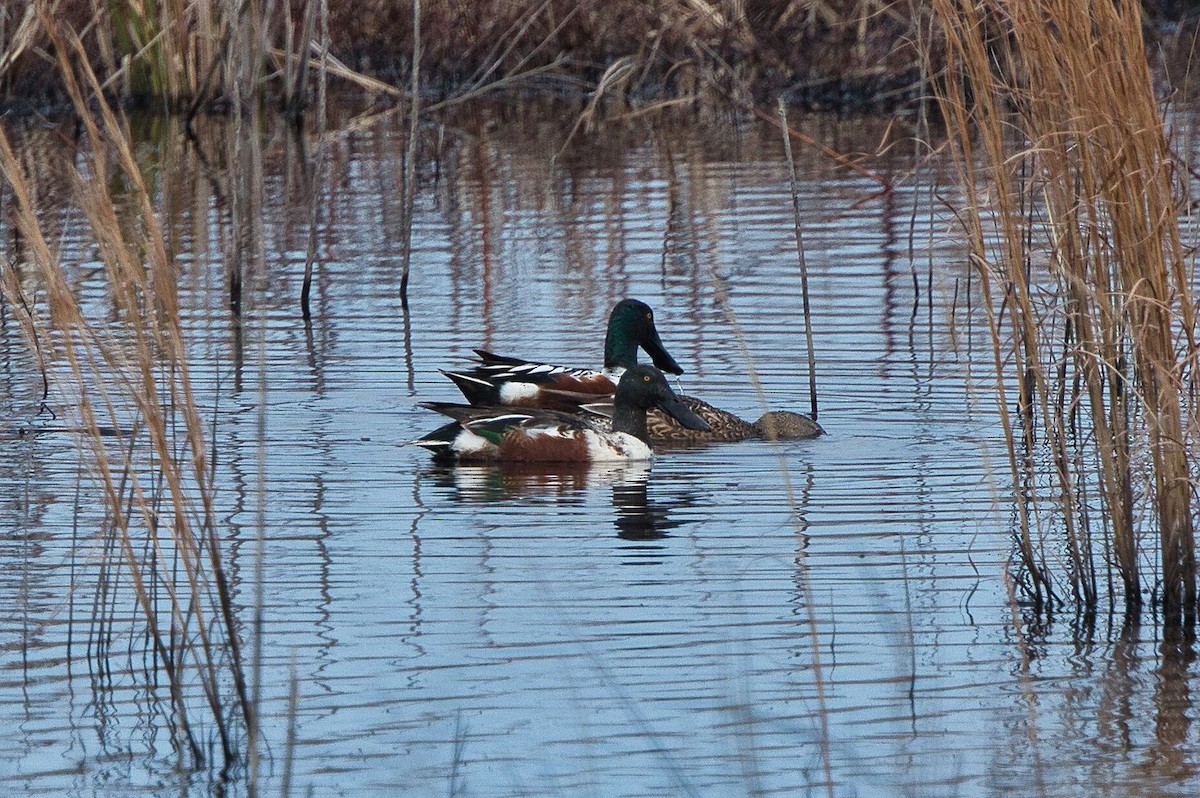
(795, 191)
(1072, 83)
(316, 178)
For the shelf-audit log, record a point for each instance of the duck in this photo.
(723, 426)
(510, 381)
(514, 382)
(498, 433)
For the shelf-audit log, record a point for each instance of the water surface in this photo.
(834, 616)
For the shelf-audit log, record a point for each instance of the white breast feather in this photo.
(511, 392)
(615, 447)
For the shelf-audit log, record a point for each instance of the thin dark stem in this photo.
(310, 255)
(808, 334)
(410, 155)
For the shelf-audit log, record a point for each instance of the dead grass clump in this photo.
(178, 55)
(1070, 208)
(818, 51)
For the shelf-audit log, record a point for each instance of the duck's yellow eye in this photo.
(650, 315)
(645, 378)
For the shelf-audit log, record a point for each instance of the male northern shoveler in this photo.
(723, 426)
(540, 435)
(510, 381)
(514, 382)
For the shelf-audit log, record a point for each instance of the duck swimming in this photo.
(723, 426)
(500, 380)
(514, 382)
(506, 434)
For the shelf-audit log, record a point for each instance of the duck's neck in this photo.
(631, 420)
(620, 350)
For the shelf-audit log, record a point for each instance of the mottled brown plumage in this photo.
(725, 426)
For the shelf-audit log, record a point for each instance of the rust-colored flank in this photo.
(518, 446)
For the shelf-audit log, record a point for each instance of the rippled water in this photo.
(820, 617)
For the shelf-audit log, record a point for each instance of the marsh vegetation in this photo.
(217, 322)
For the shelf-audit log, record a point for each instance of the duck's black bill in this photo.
(677, 410)
(658, 353)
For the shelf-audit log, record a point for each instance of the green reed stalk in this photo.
(1060, 91)
(184, 54)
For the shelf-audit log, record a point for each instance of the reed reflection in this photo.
(1169, 756)
(1129, 680)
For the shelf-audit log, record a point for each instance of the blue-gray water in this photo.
(741, 619)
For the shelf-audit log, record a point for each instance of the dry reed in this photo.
(187, 54)
(156, 477)
(793, 183)
(409, 184)
(1070, 209)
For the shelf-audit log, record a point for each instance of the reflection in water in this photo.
(636, 516)
(483, 619)
(506, 480)
(1169, 754)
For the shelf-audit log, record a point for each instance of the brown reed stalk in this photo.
(973, 113)
(1070, 206)
(295, 89)
(157, 484)
(195, 528)
(188, 54)
(804, 303)
(409, 185)
(86, 357)
(316, 167)
(15, 40)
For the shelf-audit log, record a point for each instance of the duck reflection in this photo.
(636, 516)
(496, 481)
